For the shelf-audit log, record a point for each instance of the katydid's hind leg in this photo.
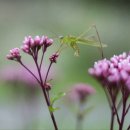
(75, 47)
(77, 51)
(99, 39)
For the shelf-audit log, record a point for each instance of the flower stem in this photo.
(112, 119)
(125, 97)
(79, 122)
(128, 127)
(48, 72)
(45, 94)
(127, 109)
(111, 107)
(80, 117)
(43, 50)
(123, 117)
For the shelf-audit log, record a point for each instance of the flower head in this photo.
(81, 91)
(114, 71)
(32, 44)
(14, 54)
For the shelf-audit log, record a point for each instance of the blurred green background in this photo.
(20, 108)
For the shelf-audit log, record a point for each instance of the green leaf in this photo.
(57, 97)
(52, 109)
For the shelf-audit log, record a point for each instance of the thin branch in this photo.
(45, 95)
(127, 109)
(116, 112)
(48, 72)
(108, 97)
(128, 127)
(119, 104)
(43, 50)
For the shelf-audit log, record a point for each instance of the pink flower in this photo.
(81, 91)
(48, 42)
(30, 44)
(14, 54)
(25, 48)
(37, 40)
(28, 41)
(116, 70)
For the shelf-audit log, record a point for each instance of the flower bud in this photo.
(14, 54)
(54, 57)
(48, 86)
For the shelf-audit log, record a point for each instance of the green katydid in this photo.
(73, 41)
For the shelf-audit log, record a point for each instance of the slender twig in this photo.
(48, 94)
(128, 127)
(48, 72)
(45, 95)
(112, 119)
(79, 122)
(123, 116)
(119, 104)
(114, 106)
(125, 97)
(108, 97)
(111, 108)
(80, 117)
(43, 50)
(46, 79)
(127, 109)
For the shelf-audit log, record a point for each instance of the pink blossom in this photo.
(49, 42)
(30, 44)
(81, 91)
(14, 54)
(116, 70)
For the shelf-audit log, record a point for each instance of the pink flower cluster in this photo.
(31, 46)
(29, 43)
(114, 71)
(14, 54)
(81, 91)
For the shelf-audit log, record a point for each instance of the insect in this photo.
(73, 41)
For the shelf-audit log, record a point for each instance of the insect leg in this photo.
(102, 53)
(75, 48)
(86, 31)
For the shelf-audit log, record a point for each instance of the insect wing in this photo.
(90, 42)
